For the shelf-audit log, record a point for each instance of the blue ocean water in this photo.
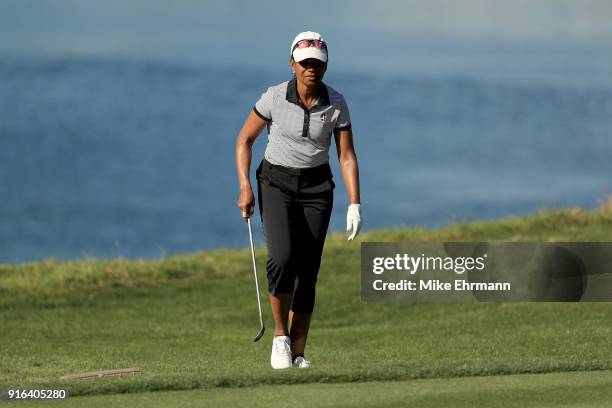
(110, 157)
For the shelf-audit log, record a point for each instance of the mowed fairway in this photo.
(189, 322)
(570, 390)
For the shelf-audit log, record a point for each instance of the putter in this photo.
(261, 322)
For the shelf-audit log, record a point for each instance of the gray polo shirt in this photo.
(300, 137)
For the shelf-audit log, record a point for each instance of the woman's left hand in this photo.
(353, 220)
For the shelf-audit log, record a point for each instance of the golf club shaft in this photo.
(261, 322)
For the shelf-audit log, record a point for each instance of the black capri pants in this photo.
(295, 207)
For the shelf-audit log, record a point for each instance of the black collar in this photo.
(293, 97)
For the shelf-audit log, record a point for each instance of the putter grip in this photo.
(247, 213)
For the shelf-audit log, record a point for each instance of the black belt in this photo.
(319, 171)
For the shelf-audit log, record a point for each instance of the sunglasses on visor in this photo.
(310, 43)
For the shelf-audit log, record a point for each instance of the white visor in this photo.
(300, 54)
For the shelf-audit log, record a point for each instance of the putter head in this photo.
(260, 334)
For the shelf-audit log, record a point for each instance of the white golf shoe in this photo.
(281, 352)
(301, 362)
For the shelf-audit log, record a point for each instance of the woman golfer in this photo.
(295, 188)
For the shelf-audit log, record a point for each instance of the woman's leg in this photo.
(280, 311)
(311, 239)
(275, 208)
(300, 324)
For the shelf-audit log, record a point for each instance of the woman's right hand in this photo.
(246, 201)
(249, 132)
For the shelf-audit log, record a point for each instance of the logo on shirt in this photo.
(322, 117)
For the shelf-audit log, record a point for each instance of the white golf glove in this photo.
(353, 220)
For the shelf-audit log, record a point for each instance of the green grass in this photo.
(189, 321)
(568, 390)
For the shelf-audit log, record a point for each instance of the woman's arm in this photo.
(348, 163)
(350, 172)
(247, 135)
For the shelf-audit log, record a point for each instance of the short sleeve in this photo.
(344, 119)
(263, 107)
